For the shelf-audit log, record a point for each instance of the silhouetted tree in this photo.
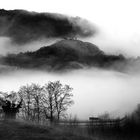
(10, 109)
(10, 104)
(49, 107)
(37, 94)
(58, 98)
(38, 102)
(63, 99)
(25, 93)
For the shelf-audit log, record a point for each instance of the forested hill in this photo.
(64, 55)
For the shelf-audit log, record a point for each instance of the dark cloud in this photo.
(23, 26)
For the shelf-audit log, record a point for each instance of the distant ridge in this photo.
(63, 55)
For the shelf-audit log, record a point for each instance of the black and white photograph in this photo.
(69, 69)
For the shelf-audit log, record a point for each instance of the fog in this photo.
(95, 91)
(6, 45)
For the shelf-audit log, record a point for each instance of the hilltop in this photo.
(63, 55)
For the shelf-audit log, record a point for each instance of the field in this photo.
(20, 130)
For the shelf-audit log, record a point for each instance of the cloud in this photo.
(24, 26)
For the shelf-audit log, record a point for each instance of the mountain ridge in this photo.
(63, 55)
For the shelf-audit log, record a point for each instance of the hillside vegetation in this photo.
(64, 55)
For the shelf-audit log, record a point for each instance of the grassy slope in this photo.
(15, 130)
(10, 130)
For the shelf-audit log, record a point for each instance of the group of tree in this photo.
(35, 102)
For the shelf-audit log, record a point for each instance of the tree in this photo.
(25, 93)
(38, 102)
(11, 109)
(37, 94)
(49, 104)
(62, 96)
(10, 105)
(59, 98)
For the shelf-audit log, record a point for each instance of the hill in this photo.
(63, 55)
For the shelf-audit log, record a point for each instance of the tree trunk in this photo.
(51, 117)
(10, 115)
(38, 114)
(58, 116)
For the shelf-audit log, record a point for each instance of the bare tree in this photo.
(37, 94)
(39, 102)
(25, 93)
(49, 102)
(59, 98)
(63, 99)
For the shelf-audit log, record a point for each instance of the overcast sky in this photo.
(118, 20)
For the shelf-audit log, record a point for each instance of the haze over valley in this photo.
(41, 47)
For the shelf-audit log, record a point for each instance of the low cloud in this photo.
(95, 91)
(24, 26)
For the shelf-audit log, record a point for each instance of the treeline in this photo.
(35, 102)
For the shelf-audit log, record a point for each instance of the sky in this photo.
(117, 20)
